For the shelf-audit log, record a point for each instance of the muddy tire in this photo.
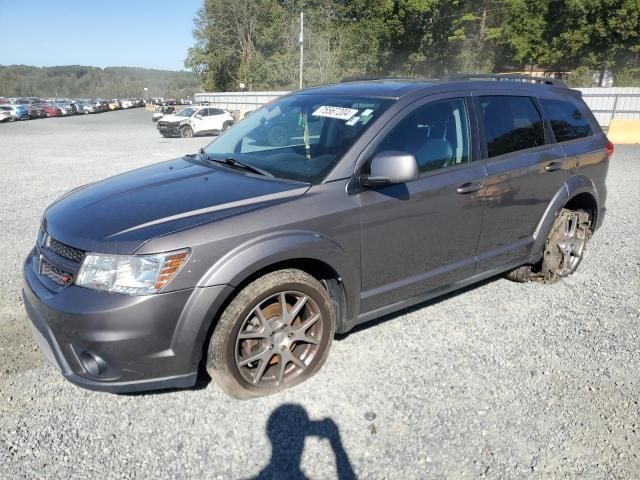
(563, 250)
(274, 334)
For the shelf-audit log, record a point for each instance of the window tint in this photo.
(437, 134)
(510, 124)
(205, 112)
(215, 111)
(567, 122)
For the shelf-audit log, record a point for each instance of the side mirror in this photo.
(198, 116)
(391, 167)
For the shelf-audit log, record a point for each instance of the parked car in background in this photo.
(17, 112)
(160, 112)
(65, 108)
(5, 115)
(196, 120)
(52, 110)
(114, 105)
(83, 107)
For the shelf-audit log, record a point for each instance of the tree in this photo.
(235, 39)
(600, 34)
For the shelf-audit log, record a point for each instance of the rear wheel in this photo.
(186, 132)
(564, 249)
(275, 334)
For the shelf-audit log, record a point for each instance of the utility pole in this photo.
(301, 40)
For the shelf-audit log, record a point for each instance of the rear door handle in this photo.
(469, 187)
(553, 166)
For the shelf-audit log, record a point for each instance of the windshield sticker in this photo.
(367, 112)
(341, 113)
(353, 121)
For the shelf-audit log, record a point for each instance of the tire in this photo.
(278, 136)
(186, 132)
(563, 250)
(255, 351)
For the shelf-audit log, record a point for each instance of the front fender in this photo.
(572, 187)
(264, 251)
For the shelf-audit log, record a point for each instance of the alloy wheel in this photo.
(279, 339)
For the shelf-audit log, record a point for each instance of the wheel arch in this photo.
(578, 192)
(312, 253)
(308, 251)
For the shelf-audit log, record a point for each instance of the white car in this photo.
(195, 120)
(5, 116)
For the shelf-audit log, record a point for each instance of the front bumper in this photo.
(171, 129)
(120, 343)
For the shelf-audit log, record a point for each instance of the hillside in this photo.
(83, 81)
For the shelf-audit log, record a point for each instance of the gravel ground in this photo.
(502, 380)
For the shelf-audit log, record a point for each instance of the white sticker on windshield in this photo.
(367, 112)
(341, 113)
(353, 121)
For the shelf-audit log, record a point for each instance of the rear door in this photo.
(422, 235)
(569, 121)
(525, 169)
(199, 120)
(216, 119)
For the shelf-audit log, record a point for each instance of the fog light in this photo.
(92, 363)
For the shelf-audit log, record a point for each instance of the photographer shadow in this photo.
(287, 428)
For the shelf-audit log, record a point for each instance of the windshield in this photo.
(186, 112)
(299, 137)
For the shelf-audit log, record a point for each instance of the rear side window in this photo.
(510, 124)
(566, 119)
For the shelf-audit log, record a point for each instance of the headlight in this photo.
(131, 274)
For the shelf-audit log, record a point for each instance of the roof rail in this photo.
(508, 77)
(367, 78)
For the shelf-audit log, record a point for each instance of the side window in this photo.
(437, 134)
(215, 111)
(567, 122)
(205, 112)
(510, 124)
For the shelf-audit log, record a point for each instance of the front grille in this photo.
(54, 273)
(65, 250)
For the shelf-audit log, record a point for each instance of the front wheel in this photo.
(273, 335)
(186, 132)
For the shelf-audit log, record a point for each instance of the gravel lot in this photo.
(500, 381)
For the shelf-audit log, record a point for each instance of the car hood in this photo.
(173, 118)
(119, 214)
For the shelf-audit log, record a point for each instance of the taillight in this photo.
(610, 149)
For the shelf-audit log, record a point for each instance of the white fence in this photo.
(605, 103)
(615, 102)
(243, 101)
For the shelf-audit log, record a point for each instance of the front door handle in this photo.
(553, 166)
(469, 187)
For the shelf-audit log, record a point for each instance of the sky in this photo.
(99, 33)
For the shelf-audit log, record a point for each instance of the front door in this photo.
(422, 235)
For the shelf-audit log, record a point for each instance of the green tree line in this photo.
(255, 42)
(77, 81)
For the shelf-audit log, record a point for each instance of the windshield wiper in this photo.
(232, 162)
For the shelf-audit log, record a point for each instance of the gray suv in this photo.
(247, 257)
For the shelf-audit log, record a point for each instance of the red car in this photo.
(52, 111)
